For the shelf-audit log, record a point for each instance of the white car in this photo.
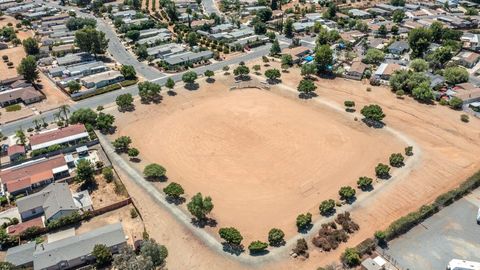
(478, 216)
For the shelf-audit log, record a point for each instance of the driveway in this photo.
(450, 234)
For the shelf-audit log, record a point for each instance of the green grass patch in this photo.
(128, 83)
(13, 108)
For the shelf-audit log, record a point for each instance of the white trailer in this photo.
(456, 264)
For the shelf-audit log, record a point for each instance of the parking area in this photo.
(450, 234)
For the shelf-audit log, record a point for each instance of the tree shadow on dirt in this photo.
(368, 188)
(171, 93)
(175, 200)
(210, 80)
(135, 160)
(202, 223)
(259, 253)
(307, 95)
(232, 248)
(279, 244)
(305, 229)
(192, 86)
(373, 123)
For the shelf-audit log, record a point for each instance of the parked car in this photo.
(478, 216)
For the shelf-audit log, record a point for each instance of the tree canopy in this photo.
(374, 56)
(91, 40)
(199, 206)
(31, 46)
(456, 75)
(373, 112)
(324, 58)
(231, 235)
(149, 91)
(154, 172)
(28, 68)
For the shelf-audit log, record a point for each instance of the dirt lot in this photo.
(133, 227)
(15, 55)
(104, 195)
(281, 155)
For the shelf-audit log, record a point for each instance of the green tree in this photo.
(347, 193)
(170, 84)
(257, 247)
(456, 75)
(264, 14)
(324, 58)
(192, 39)
(76, 23)
(121, 144)
(440, 57)
(351, 257)
(398, 16)
(155, 252)
(327, 207)
(134, 35)
(287, 59)
(20, 136)
(242, 72)
(273, 74)
(364, 183)
(275, 49)
(396, 160)
(84, 116)
(124, 102)
(423, 92)
(102, 254)
(85, 171)
(199, 206)
(104, 122)
(133, 152)
(455, 103)
(382, 31)
(308, 70)
(304, 221)
(288, 29)
(275, 237)
(28, 68)
(231, 235)
(382, 170)
(374, 56)
(419, 40)
(306, 87)
(260, 28)
(149, 91)
(31, 46)
(107, 173)
(208, 73)
(437, 31)
(189, 77)
(419, 65)
(174, 190)
(154, 172)
(128, 72)
(73, 87)
(373, 112)
(91, 40)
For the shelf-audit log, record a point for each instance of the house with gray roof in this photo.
(54, 201)
(124, 14)
(399, 47)
(102, 79)
(222, 28)
(188, 57)
(165, 50)
(70, 252)
(357, 13)
(74, 58)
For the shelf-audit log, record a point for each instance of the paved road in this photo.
(450, 234)
(209, 6)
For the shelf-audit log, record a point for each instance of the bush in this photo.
(301, 248)
(154, 172)
(5, 57)
(128, 83)
(327, 207)
(349, 103)
(14, 107)
(380, 236)
(107, 173)
(133, 213)
(304, 221)
(347, 193)
(409, 151)
(464, 118)
(257, 247)
(364, 183)
(275, 237)
(351, 257)
(100, 108)
(396, 160)
(382, 171)
(30, 129)
(400, 93)
(43, 151)
(231, 235)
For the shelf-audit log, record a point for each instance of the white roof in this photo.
(380, 261)
(60, 169)
(456, 264)
(60, 141)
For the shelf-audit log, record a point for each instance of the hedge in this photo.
(100, 91)
(128, 83)
(49, 149)
(14, 107)
(405, 223)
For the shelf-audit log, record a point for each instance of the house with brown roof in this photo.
(356, 71)
(71, 135)
(26, 95)
(385, 70)
(33, 174)
(467, 59)
(16, 152)
(297, 53)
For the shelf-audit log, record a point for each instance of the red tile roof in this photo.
(21, 227)
(15, 149)
(22, 177)
(56, 134)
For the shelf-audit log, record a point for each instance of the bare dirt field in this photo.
(15, 55)
(276, 156)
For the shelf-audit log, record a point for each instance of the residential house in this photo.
(356, 71)
(302, 26)
(360, 14)
(26, 95)
(471, 41)
(16, 152)
(124, 14)
(63, 49)
(165, 50)
(72, 134)
(33, 174)
(466, 92)
(436, 81)
(54, 201)
(71, 252)
(222, 28)
(467, 59)
(352, 36)
(79, 70)
(187, 58)
(379, 11)
(74, 58)
(385, 70)
(102, 79)
(399, 47)
(387, 7)
(297, 53)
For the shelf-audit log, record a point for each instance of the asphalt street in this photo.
(453, 233)
(210, 7)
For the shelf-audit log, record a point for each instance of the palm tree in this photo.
(65, 110)
(21, 138)
(44, 123)
(36, 122)
(57, 116)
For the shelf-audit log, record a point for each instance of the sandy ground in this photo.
(104, 195)
(15, 55)
(269, 151)
(448, 157)
(133, 227)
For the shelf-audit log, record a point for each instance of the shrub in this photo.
(382, 171)
(351, 257)
(275, 237)
(380, 236)
(349, 103)
(347, 193)
(154, 172)
(231, 235)
(327, 207)
(400, 93)
(107, 173)
(409, 151)
(396, 160)
(30, 129)
(5, 57)
(257, 247)
(133, 213)
(100, 108)
(304, 221)
(464, 118)
(14, 107)
(364, 183)
(301, 248)
(174, 190)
